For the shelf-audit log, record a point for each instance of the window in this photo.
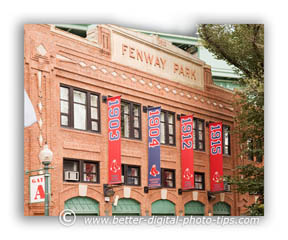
(89, 172)
(131, 175)
(167, 125)
(130, 120)
(226, 140)
(199, 181)
(168, 178)
(198, 134)
(80, 109)
(80, 171)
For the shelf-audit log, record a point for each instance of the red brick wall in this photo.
(211, 104)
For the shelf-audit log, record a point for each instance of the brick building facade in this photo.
(68, 79)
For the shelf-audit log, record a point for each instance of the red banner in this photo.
(114, 140)
(187, 152)
(216, 158)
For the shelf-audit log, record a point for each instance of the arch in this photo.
(221, 209)
(134, 194)
(127, 207)
(163, 207)
(194, 208)
(82, 205)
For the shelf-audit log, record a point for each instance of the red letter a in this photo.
(40, 192)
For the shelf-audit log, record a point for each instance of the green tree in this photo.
(242, 47)
(250, 179)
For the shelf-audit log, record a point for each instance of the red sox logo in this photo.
(217, 178)
(154, 172)
(187, 174)
(114, 167)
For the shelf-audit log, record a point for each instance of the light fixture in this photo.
(108, 191)
(46, 155)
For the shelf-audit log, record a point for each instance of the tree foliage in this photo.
(242, 47)
(250, 179)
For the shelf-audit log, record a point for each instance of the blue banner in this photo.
(154, 170)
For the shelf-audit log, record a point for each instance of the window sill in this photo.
(75, 183)
(128, 185)
(199, 151)
(132, 140)
(80, 131)
(168, 146)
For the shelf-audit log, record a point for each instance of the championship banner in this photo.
(216, 158)
(154, 170)
(114, 140)
(187, 159)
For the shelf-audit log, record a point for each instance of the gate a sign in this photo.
(37, 189)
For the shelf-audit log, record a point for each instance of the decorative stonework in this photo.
(82, 64)
(195, 195)
(41, 50)
(127, 192)
(40, 140)
(104, 70)
(93, 67)
(124, 76)
(82, 190)
(40, 123)
(40, 107)
(163, 194)
(39, 77)
(64, 59)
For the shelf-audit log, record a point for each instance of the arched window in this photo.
(83, 206)
(221, 209)
(194, 208)
(163, 208)
(126, 207)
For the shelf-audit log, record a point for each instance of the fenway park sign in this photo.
(162, 62)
